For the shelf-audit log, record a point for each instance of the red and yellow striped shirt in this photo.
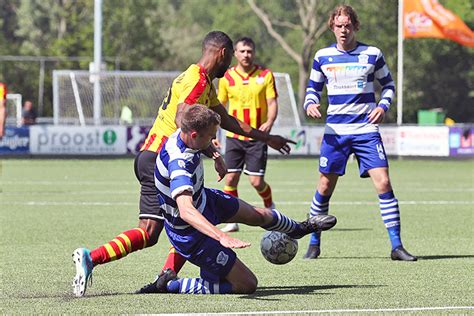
(190, 87)
(246, 95)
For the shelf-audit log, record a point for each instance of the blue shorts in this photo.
(215, 260)
(368, 149)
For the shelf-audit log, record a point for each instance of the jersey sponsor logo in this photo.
(361, 84)
(222, 258)
(346, 71)
(323, 162)
(380, 151)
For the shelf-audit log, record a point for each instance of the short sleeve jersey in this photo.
(3, 91)
(246, 95)
(190, 87)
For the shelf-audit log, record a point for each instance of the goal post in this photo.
(140, 92)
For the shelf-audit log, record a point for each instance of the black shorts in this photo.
(145, 172)
(252, 154)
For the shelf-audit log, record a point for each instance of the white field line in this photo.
(341, 311)
(100, 203)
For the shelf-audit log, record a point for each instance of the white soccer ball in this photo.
(278, 248)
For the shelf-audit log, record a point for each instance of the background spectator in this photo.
(28, 114)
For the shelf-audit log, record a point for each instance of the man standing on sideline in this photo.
(191, 212)
(349, 68)
(250, 94)
(3, 108)
(28, 114)
(192, 86)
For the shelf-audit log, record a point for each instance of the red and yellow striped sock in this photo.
(125, 243)
(266, 195)
(174, 261)
(231, 190)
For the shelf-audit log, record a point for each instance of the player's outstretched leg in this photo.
(83, 262)
(282, 223)
(122, 245)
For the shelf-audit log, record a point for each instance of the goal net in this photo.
(138, 93)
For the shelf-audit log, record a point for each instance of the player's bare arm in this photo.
(232, 124)
(191, 215)
(313, 110)
(272, 113)
(3, 115)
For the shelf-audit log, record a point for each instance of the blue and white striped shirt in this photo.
(179, 169)
(349, 78)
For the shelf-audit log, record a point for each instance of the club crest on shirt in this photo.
(222, 258)
(363, 59)
(260, 80)
(323, 161)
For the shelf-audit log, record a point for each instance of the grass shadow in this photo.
(264, 292)
(440, 257)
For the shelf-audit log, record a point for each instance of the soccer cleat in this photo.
(160, 283)
(82, 259)
(313, 224)
(400, 253)
(313, 252)
(230, 228)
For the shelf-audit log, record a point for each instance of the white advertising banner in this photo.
(308, 139)
(389, 139)
(75, 140)
(423, 141)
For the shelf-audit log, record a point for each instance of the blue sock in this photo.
(319, 206)
(391, 217)
(198, 286)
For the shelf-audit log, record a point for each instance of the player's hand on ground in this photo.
(280, 143)
(230, 242)
(266, 127)
(219, 165)
(313, 110)
(377, 115)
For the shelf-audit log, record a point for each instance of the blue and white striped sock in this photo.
(281, 223)
(319, 206)
(198, 286)
(391, 217)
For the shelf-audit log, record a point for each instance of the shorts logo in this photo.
(181, 164)
(380, 151)
(323, 162)
(222, 258)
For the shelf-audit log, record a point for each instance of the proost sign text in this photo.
(89, 140)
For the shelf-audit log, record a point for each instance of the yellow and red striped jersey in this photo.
(3, 91)
(246, 95)
(190, 87)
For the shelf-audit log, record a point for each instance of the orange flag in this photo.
(427, 18)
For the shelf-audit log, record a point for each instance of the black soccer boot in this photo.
(400, 253)
(159, 285)
(313, 224)
(313, 252)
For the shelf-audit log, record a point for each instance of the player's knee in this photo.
(257, 183)
(248, 285)
(153, 229)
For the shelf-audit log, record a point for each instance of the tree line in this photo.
(167, 34)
